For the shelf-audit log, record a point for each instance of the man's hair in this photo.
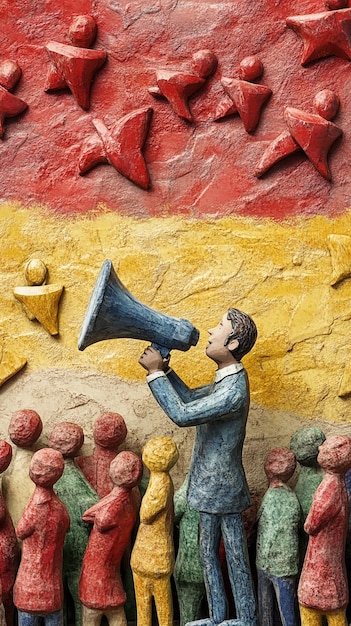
(244, 330)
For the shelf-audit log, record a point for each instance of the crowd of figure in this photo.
(95, 538)
(91, 529)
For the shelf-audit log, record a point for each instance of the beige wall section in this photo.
(279, 273)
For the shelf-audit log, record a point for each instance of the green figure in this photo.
(78, 496)
(188, 571)
(304, 444)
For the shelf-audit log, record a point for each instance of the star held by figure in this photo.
(177, 86)
(324, 34)
(246, 98)
(10, 105)
(314, 134)
(74, 67)
(121, 147)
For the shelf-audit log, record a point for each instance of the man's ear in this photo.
(233, 345)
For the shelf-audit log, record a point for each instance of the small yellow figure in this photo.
(40, 301)
(152, 558)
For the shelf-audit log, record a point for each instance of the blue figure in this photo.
(217, 483)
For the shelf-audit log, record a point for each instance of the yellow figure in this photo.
(152, 558)
(40, 301)
(314, 617)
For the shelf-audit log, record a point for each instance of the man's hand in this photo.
(152, 361)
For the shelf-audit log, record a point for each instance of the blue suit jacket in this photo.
(219, 411)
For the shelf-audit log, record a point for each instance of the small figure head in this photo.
(160, 454)
(333, 5)
(46, 467)
(35, 272)
(250, 68)
(126, 470)
(232, 338)
(67, 438)
(305, 444)
(280, 464)
(10, 73)
(327, 103)
(82, 31)
(204, 63)
(335, 454)
(25, 428)
(109, 430)
(5, 455)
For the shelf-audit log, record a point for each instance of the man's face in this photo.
(215, 349)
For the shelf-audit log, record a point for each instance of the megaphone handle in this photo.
(164, 352)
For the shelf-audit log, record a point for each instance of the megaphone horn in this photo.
(114, 313)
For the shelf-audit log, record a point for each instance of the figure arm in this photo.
(154, 501)
(221, 399)
(27, 524)
(184, 392)
(325, 506)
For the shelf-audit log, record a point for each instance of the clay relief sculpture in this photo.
(246, 96)
(277, 557)
(188, 571)
(77, 495)
(40, 301)
(219, 491)
(178, 86)
(24, 430)
(38, 589)
(9, 552)
(152, 558)
(121, 146)
(324, 34)
(74, 66)
(322, 589)
(10, 105)
(109, 432)
(10, 364)
(100, 586)
(313, 134)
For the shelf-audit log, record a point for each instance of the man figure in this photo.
(217, 483)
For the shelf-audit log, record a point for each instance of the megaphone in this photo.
(114, 313)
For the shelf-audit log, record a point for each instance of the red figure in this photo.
(324, 34)
(38, 589)
(74, 66)
(9, 555)
(177, 87)
(24, 430)
(10, 105)
(121, 147)
(311, 133)
(109, 432)
(100, 587)
(247, 98)
(323, 586)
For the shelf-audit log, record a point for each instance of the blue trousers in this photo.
(34, 619)
(232, 530)
(284, 590)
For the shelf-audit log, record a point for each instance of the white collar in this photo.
(234, 368)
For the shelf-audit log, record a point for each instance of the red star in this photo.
(323, 34)
(73, 68)
(121, 146)
(308, 132)
(248, 100)
(177, 88)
